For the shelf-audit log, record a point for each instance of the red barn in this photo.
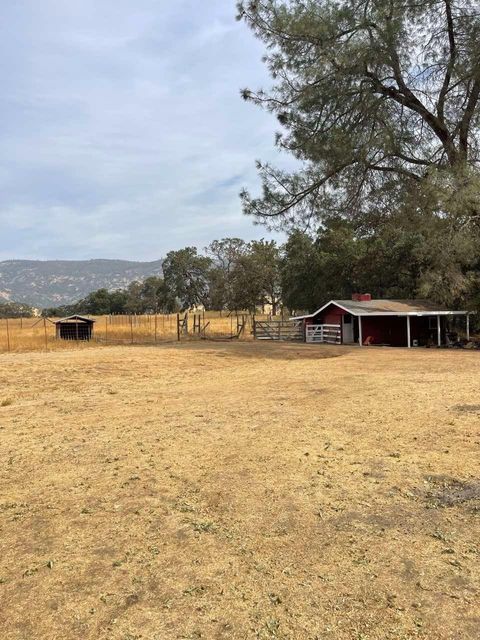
(396, 323)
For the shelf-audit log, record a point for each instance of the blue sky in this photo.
(123, 131)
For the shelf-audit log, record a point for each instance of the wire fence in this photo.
(40, 334)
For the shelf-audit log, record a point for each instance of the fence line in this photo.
(39, 334)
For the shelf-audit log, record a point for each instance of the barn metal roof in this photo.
(75, 317)
(388, 308)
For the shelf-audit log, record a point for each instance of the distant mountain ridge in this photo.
(57, 282)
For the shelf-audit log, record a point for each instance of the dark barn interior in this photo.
(75, 328)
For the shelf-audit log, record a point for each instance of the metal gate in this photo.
(288, 330)
(331, 333)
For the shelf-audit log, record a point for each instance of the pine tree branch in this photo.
(472, 102)
(404, 96)
(297, 197)
(451, 62)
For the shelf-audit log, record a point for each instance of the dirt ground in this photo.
(236, 491)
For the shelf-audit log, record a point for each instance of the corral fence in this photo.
(36, 334)
(288, 330)
(329, 333)
(147, 329)
(296, 331)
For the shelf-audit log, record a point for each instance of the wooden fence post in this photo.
(155, 326)
(106, 329)
(45, 332)
(131, 329)
(8, 336)
(178, 327)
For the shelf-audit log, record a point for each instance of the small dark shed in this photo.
(75, 328)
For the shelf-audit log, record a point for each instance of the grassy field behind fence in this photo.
(37, 334)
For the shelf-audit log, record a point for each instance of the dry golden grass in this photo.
(239, 490)
(34, 334)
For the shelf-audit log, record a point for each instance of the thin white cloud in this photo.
(123, 131)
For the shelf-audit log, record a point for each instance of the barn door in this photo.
(347, 328)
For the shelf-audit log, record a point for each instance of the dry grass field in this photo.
(240, 491)
(36, 334)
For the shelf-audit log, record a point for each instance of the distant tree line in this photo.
(15, 310)
(230, 274)
(397, 261)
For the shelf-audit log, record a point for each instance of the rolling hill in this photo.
(57, 282)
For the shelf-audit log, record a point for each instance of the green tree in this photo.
(155, 296)
(134, 302)
(265, 256)
(97, 303)
(186, 277)
(303, 274)
(118, 300)
(15, 310)
(225, 255)
(374, 96)
(256, 277)
(415, 257)
(101, 302)
(315, 270)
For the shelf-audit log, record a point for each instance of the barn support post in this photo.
(468, 326)
(409, 333)
(439, 332)
(360, 337)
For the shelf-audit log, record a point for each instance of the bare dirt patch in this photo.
(237, 491)
(448, 492)
(467, 408)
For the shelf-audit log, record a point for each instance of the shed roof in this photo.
(75, 318)
(388, 308)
